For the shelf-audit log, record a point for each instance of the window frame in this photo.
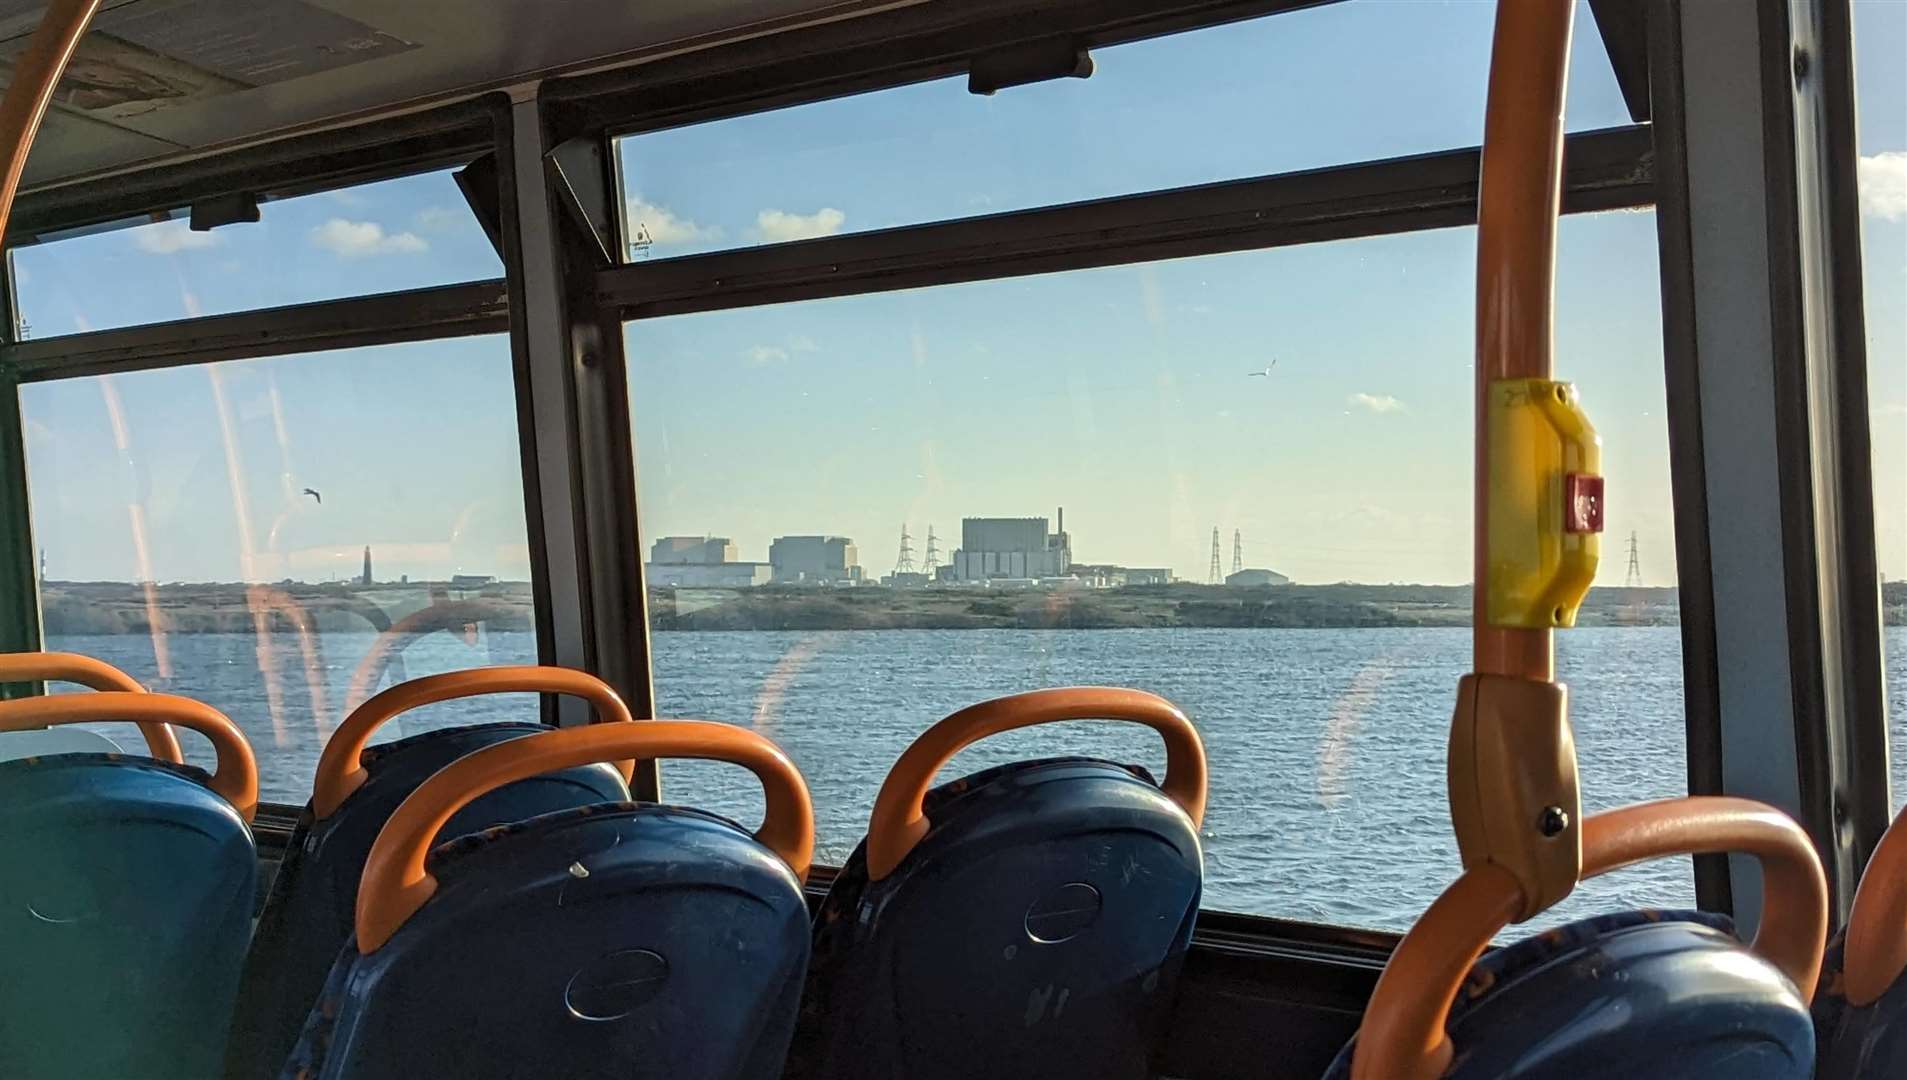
(324, 161)
(564, 305)
(1607, 169)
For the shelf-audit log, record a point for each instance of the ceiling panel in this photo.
(160, 77)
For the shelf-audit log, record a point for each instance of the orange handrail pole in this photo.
(1519, 196)
(35, 78)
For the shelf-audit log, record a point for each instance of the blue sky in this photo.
(1119, 393)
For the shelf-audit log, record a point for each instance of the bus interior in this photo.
(410, 665)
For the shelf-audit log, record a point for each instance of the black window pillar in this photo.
(1774, 515)
(557, 198)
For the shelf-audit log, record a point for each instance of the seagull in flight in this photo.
(1266, 373)
(313, 492)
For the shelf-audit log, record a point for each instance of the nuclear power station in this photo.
(995, 552)
(1012, 548)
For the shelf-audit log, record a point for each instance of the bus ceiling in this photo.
(158, 82)
(154, 80)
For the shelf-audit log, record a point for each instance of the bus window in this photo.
(1243, 99)
(404, 233)
(281, 537)
(1880, 38)
(1221, 479)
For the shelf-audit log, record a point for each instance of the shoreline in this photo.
(413, 608)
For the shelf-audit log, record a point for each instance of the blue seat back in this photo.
(126, 895)
(636, 942)
(1662, 995)
(1036, 930)
(1858, 1042)
(308, 914)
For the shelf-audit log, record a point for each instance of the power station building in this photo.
(696, 575)
(706, 562)
(1012, 548)
(814, 560)
(675, 550)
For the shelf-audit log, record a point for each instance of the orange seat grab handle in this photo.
(396, 882)
(95, 674)
(1876, 952)
(235, 778)
(1403, 1036)
(899, 821)
(340, 771)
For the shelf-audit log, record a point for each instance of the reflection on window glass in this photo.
(1880, 40)
(282, 537)
(1330, 85)
(406, 233)
(1211, 478)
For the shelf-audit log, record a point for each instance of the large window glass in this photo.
(282, 537)
(1271, 95)
(1223, 479)
(1880, 41)
(404, 233)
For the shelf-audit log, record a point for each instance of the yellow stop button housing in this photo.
(1545, 514)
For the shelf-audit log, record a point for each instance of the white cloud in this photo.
(1377, 403)
(357, 239)
(1883, 183)
(170, 238)
(802, 343)
(780, 226)
(1890, 408)
(663, 226)
(763, 355)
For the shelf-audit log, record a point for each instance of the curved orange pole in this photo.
(35, 77)
(1403, 1035)
(396, 882)
(899, 822)
(236, 777)
(1876, 952)
(339, 771)
(95, 674)
(1519, 195)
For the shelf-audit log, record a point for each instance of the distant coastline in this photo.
(106, 607)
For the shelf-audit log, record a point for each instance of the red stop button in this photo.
(1582, 503)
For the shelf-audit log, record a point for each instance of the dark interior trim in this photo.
(1868, 805)
(1606, 170)
(375, 150)
(478, 307)
(1695, 584)
(870, 52)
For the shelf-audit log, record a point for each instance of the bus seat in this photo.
(1028, 920)
(308, 913)
(1669, 996)
(636, 941)
(1860, 1015)
(15, 745)
(125, 899)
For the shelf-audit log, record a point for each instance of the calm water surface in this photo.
(1326, 747)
